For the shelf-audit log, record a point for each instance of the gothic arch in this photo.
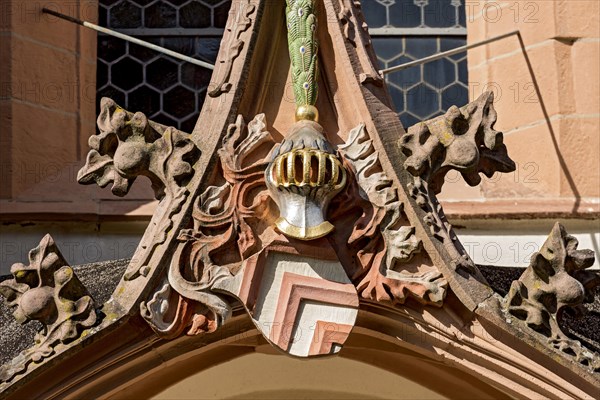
(405, 295)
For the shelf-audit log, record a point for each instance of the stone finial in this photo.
(47, 290)
(555, 280)
(463, 139)
(130, 145)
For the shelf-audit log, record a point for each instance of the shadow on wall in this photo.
(561, 160)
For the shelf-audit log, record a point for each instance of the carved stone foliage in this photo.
(463, 139)
(47, 290)
(220, 239)
(383, 239)
(356, 31)
(239, 21)
(555, 281)
(129, 145)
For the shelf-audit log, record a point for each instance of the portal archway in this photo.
(383, 355)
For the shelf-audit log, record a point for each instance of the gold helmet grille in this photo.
(308, 167)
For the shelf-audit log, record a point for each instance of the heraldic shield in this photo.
(259, 237)
(293, 285)
(302, 303)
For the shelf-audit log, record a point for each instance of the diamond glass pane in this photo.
(167, 90)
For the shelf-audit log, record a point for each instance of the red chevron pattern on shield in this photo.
(299, 297)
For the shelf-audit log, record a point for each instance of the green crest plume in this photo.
(302, 28)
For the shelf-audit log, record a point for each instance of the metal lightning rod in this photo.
(445, 53)
(131, 39)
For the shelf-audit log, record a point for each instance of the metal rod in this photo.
(445, 53)
(130, 39)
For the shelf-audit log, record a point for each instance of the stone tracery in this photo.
(231, 249)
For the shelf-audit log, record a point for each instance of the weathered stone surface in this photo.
(555, 280)
(463, 139)
(356, 31)
(233, 43)
(129, 145)
(99, 278)
(48, 291)
(583, 326)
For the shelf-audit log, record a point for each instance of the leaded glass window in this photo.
(407, 30)
(168, 91)
(172, 91)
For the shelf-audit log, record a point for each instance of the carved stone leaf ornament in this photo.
(356, 31)
(220, 239)
(555, 280)
(464, 140)
(129, 145)
(385, 279)
(47, 290)
(239, 21)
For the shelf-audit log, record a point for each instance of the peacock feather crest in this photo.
(302, 42)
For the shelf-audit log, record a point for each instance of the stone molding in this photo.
(397, 272)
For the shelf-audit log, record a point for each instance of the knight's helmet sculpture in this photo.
(304, 173)
(293, 238)
(303, 176)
